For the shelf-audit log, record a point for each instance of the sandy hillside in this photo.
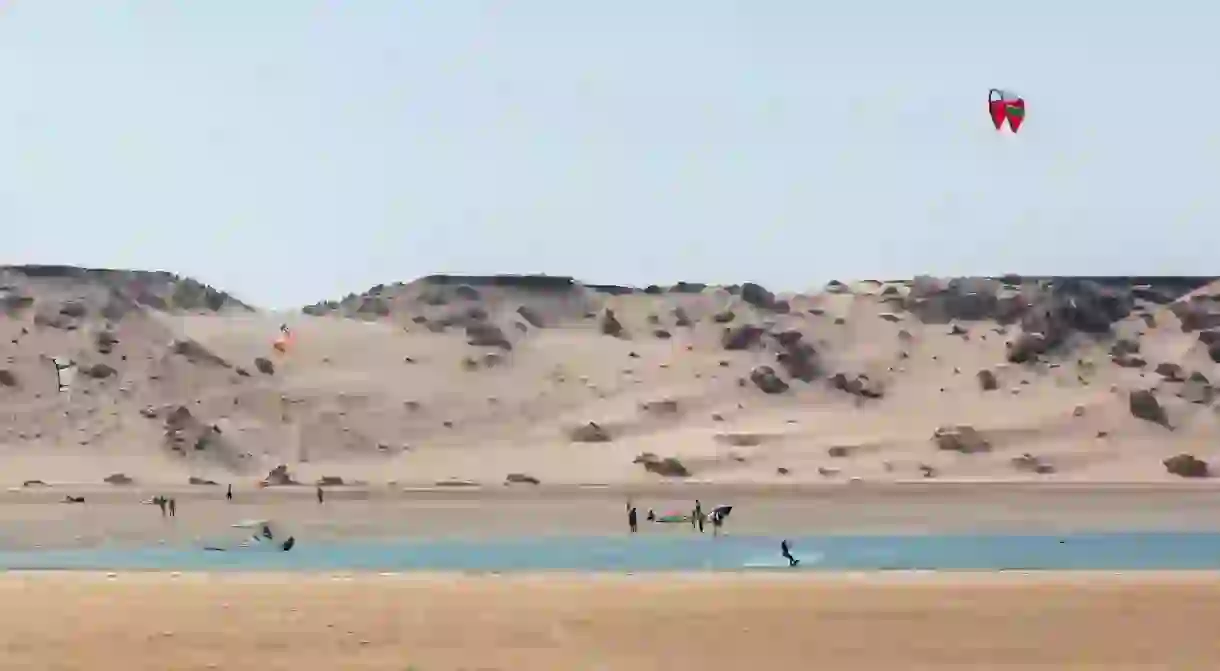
(477, 378)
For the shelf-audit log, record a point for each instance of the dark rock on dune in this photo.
(591, 432)
(8, 378)
(662, 334)
(857, 385)
(724, 316)
(669, 467)
(466, 292)
(987, 380)
(741, 337)
(1187, 466)
(1026, 347)
(766, 379)
(118, 479)
(1031, 464)
(960, 438)
(196, 353)
(104, 341)
(521, 479)
(1171, 372)
(99, 371)
(798, 358)
(279, 476)
(484, 334)
(1128, 361)
(610, 324)
(1209, 338)
(756, 295)
(1197, 314)
(1125, 346)
(688, 288)
(13, 303)
(1144, 405)
(200, 481)
(1197, 390)
(1214, 352)
(531, 316)
(681, 317)
(264, 366)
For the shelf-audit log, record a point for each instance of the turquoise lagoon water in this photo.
(1101, 551)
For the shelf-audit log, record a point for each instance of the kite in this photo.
(1006, 105)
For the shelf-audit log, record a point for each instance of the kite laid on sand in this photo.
(1006, 105)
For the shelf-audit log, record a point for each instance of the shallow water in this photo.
(1129, 551)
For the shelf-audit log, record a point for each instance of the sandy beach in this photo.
(870, 622)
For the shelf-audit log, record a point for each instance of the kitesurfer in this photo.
(267, 532)
(632, 520)
(786, 551)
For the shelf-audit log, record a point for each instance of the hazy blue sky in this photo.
(292, 150)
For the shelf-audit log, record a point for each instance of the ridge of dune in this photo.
(536, 378)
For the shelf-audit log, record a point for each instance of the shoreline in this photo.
(38, 519)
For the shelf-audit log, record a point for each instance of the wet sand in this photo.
(846, 622)
(113, 515)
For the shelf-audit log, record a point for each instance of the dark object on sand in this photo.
(289, 543)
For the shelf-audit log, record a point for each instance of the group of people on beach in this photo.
(697, 519)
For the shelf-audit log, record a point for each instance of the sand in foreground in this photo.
(569, 623)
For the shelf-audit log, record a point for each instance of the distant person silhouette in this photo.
(229, 493)
(786, 551)
(632, 519)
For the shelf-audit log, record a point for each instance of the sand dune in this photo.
(476, 378)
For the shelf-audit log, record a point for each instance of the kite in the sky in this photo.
(1006, 105)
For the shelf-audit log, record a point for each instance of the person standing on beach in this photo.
(321, 496)
(229, 493)
(698, 518)
(173, 507)
(632, 519)
(717, 520)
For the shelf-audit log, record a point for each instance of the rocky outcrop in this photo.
(591, 432)
(610, 324)
(1144, 405)
(767, 380)
(987, 380)
(741, 337)
(1187, 466)
(669, 467)
(857, 384)
(960, 438)
(486, 334)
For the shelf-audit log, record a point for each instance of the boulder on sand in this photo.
(766, 379)
(1143, 405)
(960, 438)
(1187, 466)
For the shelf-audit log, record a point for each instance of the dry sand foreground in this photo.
(567, 623)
